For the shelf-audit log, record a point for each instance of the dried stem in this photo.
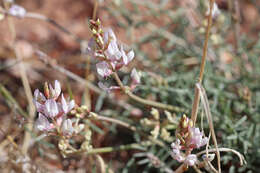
(196, 101)
(205, 102)
(94, 15)
(237, 24)
(28, 93)
(26, 85)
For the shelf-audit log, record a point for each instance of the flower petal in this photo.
(42, 123)
(103, 69)
(51, 108)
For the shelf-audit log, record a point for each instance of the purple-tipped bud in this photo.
(46, 90)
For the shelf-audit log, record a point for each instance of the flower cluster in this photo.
(52, 113)
(112, 56)
(189, 138)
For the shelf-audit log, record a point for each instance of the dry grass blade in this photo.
(205, 104)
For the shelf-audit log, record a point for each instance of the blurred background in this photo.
(167, 38)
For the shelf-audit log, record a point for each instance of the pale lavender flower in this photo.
(39, 96)
(109, 35)
(67, 127)
(112, 52)
(39, 107)
(127, 57)
(91, 48)
(197, 140)
(51, 108)
(179, 156)
(115, 57)
(191, 159)
(136, 79)
(43, 124)
(39, 100)
(108, 89)
(17, 11)
(55, 92)
(176, 153)
(66, 107)
(103, 69)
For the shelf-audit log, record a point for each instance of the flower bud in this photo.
(46, 90)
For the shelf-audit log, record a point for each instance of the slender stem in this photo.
(94, 15)
(145, 101)
(237, 24)
(205, 47)
(28, 93)
(196, 101)
(116, 121)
